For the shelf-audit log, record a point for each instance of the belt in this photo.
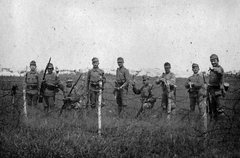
(32, 87)
(50, 87)
(214, 87)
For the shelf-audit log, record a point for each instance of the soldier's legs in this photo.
(51, 101)
(164, 101)
(119, 102)
(93, 98)
(35, 99)
(193, 102)
(45, 103)
(124, 97)
(214, 107)
(29, 99)
(171, 103)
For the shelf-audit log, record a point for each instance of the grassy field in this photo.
(75, 135)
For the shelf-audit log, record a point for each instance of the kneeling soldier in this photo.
(147, 95)
(74, 97)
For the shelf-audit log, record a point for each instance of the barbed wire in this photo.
(136, 100)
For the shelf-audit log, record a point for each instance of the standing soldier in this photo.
(216, 88)
(31, 83)
(197, 94)
(51, 83)
(122, 83)
(168, 83)
(147, 95)
(92, 83)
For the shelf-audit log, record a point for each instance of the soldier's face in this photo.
(32, 67)
(195, 70)
(50, 70)
(95, 64)
(167, 69)
(214, 62)
(120, 63)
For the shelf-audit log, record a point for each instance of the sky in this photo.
(146, 33)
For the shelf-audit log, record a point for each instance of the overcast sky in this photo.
(145, 33)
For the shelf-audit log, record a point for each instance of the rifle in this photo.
(67, 102)
(143, 101)
(43, 85)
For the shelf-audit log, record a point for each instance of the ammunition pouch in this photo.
(51, 87)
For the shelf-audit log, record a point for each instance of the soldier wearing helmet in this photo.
(197, 95)
(94, 76)
(168, 83)
(122, 83)
(51, 83)
(216, 88)
(147, 95)
(74, 96)
(32, 84)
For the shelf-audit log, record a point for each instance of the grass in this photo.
(149, 136)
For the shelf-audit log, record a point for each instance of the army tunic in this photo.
(93, 77)
(92, 84)
(32, 82)
(216, 89)
(122, 79)
(52, 83)
(146, 92)
(74, 96)
(32, 87)
(168, 96)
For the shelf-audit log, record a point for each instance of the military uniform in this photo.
(122, 80)
(194, 89)
(147, 95)
(74, 97)
(216, 90)
(32, 86)
(168, 81)
(51, 84)
(93, 77)
(197, 94)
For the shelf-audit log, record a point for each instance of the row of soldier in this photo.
(196, 85)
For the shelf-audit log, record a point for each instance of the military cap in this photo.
(33, 63)
(167, 64)
(50, 66)
(95, 59)
(145, 77)
(69, 79)
(195, 65)
(213, 56)
(120, 59)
